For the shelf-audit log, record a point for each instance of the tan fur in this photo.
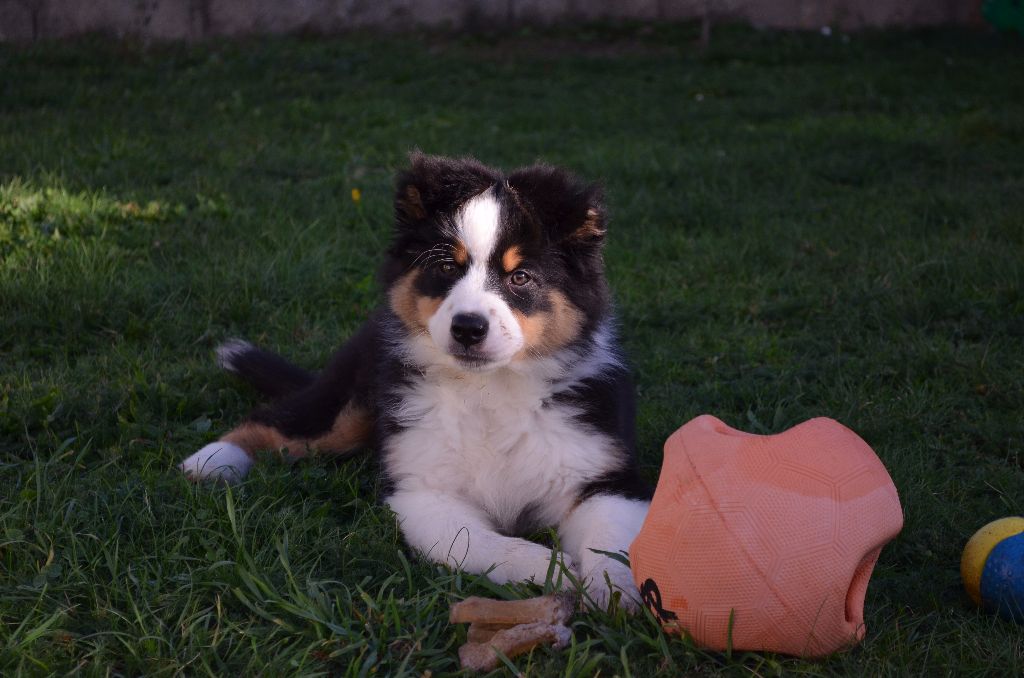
(511, 259)
(426, 307)
(460, 254)
(252, 437)
(544, 333)
(403, 300)
(412, 308)
(532, 327)
(591, 229)
(351, 428)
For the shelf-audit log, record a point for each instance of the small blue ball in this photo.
(1002, 579)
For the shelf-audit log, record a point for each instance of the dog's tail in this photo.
(271, 374)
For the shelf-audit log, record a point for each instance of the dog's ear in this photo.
(433, 183)
(568, 210)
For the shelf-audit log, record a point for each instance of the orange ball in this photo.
(765, 543)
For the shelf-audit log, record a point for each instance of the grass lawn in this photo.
(802, 226)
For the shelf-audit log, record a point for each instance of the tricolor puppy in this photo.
(489, 382)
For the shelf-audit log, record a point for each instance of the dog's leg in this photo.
(604, 522)
(327, 413)
(449, 530)
(289, 427)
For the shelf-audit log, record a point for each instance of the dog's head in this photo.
(487, 269)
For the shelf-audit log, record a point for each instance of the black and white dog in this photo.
(489, 381)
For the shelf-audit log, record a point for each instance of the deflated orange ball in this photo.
(765, 543)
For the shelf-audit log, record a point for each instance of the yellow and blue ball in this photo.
(992, 567)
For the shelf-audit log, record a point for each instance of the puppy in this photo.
(490, 381)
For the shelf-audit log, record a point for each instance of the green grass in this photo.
(802, 226)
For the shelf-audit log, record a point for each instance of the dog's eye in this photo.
(447, 268)
(519, 278)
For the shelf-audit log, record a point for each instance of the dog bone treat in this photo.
(545, 609)
(510, 627)
(480, 633)
(512, 642)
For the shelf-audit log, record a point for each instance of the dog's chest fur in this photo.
(499, 441)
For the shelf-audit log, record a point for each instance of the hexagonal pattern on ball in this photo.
(769, 538)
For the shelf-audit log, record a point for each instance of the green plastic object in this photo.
(1005, 14)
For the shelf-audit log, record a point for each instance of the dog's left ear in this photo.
(434, 183)
(569, 210)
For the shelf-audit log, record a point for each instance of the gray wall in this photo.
(25, 20)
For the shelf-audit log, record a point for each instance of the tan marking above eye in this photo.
(460, 254)
(412, 308)
(511, 259)
(546, 332)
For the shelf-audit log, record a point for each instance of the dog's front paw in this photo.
(603, 577)
(536, 563)
(221, 461)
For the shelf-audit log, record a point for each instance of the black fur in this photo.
(311, 410)
(269, 373)
(608, 404)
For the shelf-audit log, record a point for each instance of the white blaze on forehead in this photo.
(478, 227)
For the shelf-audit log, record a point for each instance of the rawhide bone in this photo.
(547, 609)
(511, 627)
(511, 642)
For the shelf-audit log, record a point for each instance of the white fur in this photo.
(218, 461)
(477, 227)
(480, 449)
(604, 523)
(450, 530)
(229, 351)
(504, 336)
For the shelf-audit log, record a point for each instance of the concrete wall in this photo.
(27, 20)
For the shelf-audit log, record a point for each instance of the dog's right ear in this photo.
(433, 183)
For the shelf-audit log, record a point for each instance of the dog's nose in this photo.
(469, 328)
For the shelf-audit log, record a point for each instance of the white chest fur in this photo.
(498, 441)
